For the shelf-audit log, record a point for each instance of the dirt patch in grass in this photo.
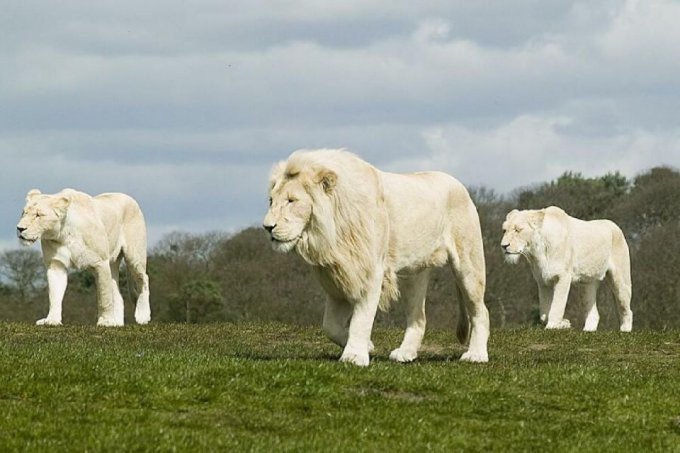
(538, 347)
(394, 394)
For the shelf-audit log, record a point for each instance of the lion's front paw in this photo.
(403, 355)
(142, 313)
(627, 322)
(475, 357)
(109, 322)
(355, 357)
(48, 322)
(143, 317)
(561, 324)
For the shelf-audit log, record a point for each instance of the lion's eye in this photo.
(270, 201)
(291, 200)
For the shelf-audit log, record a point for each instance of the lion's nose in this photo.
(505, 246)
(269, 228)
(20, 229)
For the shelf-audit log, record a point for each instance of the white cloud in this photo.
(187, 105)
(530, 149)
(646, 29)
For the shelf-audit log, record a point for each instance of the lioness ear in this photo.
(32, 194)
(327, 179)
(61, 204)
(511, 213)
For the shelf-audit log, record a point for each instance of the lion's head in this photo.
(299, 193)
(42, 216)
(327, 205)
(519, 231)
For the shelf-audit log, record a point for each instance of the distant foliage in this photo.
(215, 277)
(585, 198)
(199, 300)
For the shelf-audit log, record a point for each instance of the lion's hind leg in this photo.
(136, 265)
(118, 304)
(413, 292)
(619, 283)
(108, 314)
(134, 251)
(473, 322)
(141, 287)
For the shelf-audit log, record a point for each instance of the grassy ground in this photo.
(279, 388)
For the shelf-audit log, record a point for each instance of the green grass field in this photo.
(279, 388)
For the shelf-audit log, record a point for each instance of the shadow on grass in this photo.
(334, 357)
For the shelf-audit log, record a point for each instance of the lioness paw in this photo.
(475, 357)
(626, 327)
(48, 322)
(143, 318)
(403, 355)
(109, 322)
(562, 324)
(355, 358)
(627, 322)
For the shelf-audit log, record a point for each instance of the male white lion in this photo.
(561, 251)
(372, 236)
(89, 232)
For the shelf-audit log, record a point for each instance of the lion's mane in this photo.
(348, 230)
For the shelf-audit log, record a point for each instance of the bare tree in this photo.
(23, 271)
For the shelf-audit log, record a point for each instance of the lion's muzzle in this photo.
(26, 240)
(21, 235)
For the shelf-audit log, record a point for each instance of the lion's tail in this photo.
(463, 328)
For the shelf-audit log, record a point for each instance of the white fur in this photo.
(94, 233)
(561, 251)
(372, 236)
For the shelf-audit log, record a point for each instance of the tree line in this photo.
(217, 277)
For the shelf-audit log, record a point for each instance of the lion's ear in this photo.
(32, 194)
(328, 179)
(60, 204)
(536, 218)
(276, 174)
(511, 213)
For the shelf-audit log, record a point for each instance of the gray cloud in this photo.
(187, 105)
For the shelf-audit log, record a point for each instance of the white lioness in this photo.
(561, 251)
(365, 231)
(89, 232)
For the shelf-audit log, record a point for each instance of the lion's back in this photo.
(122, 206)
(595, 243)
(427, 211)
(121, 215)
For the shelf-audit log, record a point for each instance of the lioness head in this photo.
(42, 216)
(519, 230)
(297, 191)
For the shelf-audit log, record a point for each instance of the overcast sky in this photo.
(186, 105)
